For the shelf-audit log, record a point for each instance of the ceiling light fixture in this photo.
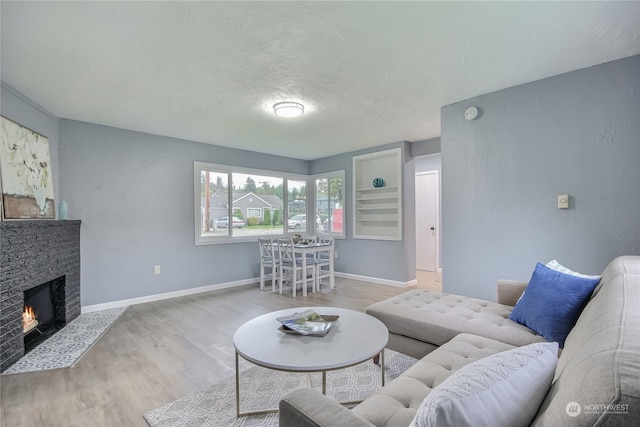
(288, 109)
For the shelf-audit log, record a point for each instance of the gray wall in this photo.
(576, 133)
(426, 147)
(134, 195)
(391, 260)
(20, 109)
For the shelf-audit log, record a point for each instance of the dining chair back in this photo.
(324, 260)
(268, 259)
(289, 262)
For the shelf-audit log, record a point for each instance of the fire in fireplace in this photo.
(43, 313)
(29, 320)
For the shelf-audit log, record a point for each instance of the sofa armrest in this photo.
(310, 408)
(509, 291)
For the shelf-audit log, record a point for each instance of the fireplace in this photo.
(41, 260)
(43, 313)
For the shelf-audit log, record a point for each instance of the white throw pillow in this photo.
(505, 389)
(555, 265)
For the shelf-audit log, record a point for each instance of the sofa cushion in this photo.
(508, 386)
(397, 402)
(553, 302)
(436, 318)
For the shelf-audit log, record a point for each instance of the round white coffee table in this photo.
(355, 338)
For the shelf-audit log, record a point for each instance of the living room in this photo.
(575, 133)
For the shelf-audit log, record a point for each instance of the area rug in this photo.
(262, 388)
(68, 345)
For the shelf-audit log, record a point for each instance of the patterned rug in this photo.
(68, 345)
(262, 388)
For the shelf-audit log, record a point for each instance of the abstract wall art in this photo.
(25, 170)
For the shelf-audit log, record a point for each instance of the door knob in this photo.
(433, 228)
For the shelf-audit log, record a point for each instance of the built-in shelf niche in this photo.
(378, 211)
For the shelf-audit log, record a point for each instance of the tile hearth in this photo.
(66, 347)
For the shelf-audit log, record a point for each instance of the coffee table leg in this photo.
(382, 365)
(237, 388)
(324, 382)
(242, 414)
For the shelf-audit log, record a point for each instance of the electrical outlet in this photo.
(563, 201)
(156, 269)
(335, 254)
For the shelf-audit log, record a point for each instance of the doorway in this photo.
(427, 227)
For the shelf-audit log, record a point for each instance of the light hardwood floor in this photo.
(156, 353)
(429, 280)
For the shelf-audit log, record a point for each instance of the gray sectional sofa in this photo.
(598, 369)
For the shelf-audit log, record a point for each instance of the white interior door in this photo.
(426, 221)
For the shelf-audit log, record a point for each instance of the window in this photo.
(254, 213)
(239, 204)
(297, 206)
(214, 211)
(254, 193)
(329, 196)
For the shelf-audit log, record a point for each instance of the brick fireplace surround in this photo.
(33, 253)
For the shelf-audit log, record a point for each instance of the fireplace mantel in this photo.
(32, 253)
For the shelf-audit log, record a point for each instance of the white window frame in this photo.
(339, 174)
(199, 167)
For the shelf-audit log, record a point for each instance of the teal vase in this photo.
(63, 210)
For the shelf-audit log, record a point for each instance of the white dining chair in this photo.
(311, 239)
(268, 259)
(289, 262)
(323, 261)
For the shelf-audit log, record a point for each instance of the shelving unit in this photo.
(378, 211)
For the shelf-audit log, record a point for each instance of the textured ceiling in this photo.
(369, 73)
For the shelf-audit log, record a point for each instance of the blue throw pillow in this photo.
(552, 303)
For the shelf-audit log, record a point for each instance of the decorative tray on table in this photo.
(307, 323)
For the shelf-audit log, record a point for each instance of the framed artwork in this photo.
(25, 171)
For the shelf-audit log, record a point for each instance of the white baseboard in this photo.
(413, 282)
(208, 288)
(377, 280)
(168, 295)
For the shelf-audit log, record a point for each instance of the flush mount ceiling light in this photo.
(288, 109)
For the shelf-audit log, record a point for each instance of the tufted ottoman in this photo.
(420, 321)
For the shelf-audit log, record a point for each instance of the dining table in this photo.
(314, 248)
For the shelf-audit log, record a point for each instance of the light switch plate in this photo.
(563, 201)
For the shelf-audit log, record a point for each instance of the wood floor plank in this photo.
(156, 353)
